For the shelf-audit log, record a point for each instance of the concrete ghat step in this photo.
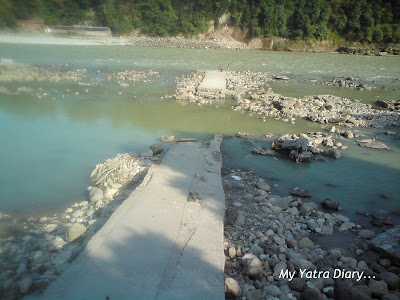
(157, 244)
(213, 80)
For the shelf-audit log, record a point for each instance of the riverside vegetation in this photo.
(355, 21)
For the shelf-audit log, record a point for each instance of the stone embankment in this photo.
(252, 94)
(270, 253)
(181, 42)
(37, 255)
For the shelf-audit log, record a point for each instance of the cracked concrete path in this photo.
(157, 244)
(213, 80)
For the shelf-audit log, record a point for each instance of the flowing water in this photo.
(49, 146)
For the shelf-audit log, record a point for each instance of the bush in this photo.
(377, 35)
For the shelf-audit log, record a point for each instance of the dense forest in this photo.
(353, 20)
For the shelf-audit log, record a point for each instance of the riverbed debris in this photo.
(303, 147)
(268, 236)
(253, 94)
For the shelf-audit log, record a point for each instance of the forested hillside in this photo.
(354, 20)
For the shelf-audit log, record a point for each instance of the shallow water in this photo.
(49, 146)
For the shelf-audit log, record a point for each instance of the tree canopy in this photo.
(354, 20)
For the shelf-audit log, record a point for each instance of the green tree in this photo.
(6, 18)
(377, 35)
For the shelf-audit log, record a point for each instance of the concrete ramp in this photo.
(213, 85)
(157, 244)
(214, 80)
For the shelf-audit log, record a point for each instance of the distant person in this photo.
(228, 67)
(219, 69)
(222, 68)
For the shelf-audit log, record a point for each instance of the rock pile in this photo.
(181, 42)
(303, 147)
(372, 143)
(238, 83)
(322, 109)
(252, 94)
(393, 105)
(348, 82)
(270, 253)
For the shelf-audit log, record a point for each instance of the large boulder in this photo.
(388, 244)
(279, 202)
(252, 266)
(157, 148)
(391, 279)
(334, 153)
(300, 156)
(371, 143)
(378, 287)
(96, 194)
(366, 234)
(167, 138)
(302, 193)
(232, 288)
(262, 185)
(330, 204)
(74, 232)
(381, 214)
(308, 208)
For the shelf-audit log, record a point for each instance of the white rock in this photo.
(74, 232)
(110, 193)
(77, 214)
(83, 203)
(96, 194)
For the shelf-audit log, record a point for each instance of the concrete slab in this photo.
(213, 80)
(157, 245)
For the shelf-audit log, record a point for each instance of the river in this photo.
(49, 146)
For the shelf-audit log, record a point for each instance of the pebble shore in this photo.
(270, 253)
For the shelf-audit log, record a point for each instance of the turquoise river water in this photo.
(50, 146)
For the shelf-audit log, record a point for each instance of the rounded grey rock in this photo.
(366, 234)
(330, 204)
(378, 288)
(306, 243)
(157, 148)
(232, 288)
(272, 290)
(74, 232)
